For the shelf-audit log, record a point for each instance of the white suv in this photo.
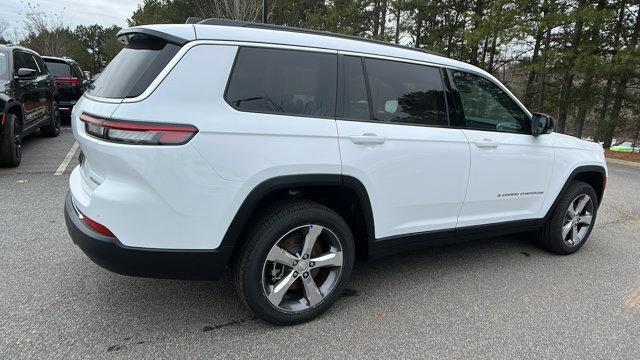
(289, 153)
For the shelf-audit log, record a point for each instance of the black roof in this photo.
(254, 25)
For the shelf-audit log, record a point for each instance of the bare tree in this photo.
(45, 33)
(3, 27)
(232, 9)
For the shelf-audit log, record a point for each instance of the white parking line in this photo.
(67, 160)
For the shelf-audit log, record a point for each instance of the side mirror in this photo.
(541, 124)
(26, 74)
(87, 75)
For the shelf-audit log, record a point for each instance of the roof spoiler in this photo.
(135, 33)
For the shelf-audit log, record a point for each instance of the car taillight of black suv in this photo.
(70, 81)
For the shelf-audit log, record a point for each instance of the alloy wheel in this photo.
(302, 268)
(577, 220)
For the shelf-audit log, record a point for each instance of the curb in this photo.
(623, 162)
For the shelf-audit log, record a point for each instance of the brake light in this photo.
(138, 133)
(73, 81)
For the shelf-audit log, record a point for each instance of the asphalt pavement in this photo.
(497, 298)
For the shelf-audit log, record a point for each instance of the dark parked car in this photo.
(28, 101)
(70, 79)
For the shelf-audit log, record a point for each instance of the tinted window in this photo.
(77, 71)
(58, 69)
(21, 60)
(134, 68)
(4, 66)
(406, 93)
(356, 102)
(283, 81)
(486, 106)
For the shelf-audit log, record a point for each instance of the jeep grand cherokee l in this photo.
(28, 101)
(287, 153)
(70, 81)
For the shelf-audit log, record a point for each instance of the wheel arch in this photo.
(14, 107)
(594, 175)
(344, 194)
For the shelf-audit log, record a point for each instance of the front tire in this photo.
(572, 220)
(11, 141)
(295, 263)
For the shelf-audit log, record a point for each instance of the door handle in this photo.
(367, 138)
(486, 143)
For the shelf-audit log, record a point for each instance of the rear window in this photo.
(58, 69)
(134, 68)
(4, 66)
(284, 82)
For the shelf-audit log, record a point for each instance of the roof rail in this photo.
(254, 25)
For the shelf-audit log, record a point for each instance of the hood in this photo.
(572, 142)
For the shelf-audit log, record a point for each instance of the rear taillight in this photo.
(139, 133)
(73, 81)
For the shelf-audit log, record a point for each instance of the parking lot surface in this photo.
(496, 298)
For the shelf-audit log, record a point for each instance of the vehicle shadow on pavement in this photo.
(157, 306)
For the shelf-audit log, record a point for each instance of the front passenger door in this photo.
(510, 168)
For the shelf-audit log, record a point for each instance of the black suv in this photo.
(28, 101)
(70, 80)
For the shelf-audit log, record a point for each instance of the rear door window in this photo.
(356, 100)
(406, 93)
(58, 68)
(283, 82)
(134, 68)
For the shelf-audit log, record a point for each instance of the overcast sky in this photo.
(74, 12)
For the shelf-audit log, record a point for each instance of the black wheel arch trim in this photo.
(263, 189)
(577, 171)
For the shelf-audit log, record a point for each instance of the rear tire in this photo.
(53, 129)
(313, 251)
(11, 141)
(571, 222)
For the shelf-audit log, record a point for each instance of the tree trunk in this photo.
(383, 20)
(397, 37)
(587, 85)
(528, 98)
(376, 18)
(478, 13)
(567, 80)
(547, 44)
(616, 109)
(418, 29)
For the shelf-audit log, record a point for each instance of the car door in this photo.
(26, 89)
(43, 87)
(510, 168)
(394, 137)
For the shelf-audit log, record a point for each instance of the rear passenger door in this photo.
(394, 137)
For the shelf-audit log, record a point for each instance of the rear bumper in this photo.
(110, 254)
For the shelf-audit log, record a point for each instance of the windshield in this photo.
(4, 66)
